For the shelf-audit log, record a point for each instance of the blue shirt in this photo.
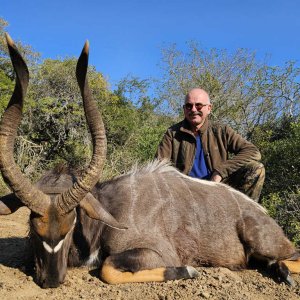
(199, 169)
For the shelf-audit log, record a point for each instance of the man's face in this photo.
(197, 107)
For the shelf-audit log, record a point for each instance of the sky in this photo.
(127, 36)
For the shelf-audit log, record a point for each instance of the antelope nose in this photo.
(50, 283)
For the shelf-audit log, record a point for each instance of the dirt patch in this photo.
(81, 283)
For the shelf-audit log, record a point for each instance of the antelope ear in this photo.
(95, 210)
(9, 204)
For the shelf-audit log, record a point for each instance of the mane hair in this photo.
(154, 166)
(57, 180)
(211, 183)
(165, 166)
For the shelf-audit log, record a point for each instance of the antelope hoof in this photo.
(192, 272)
(289, 281)
(283, 274)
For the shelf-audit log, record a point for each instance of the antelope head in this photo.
(53, 215)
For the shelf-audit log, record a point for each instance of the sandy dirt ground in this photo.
(82, 283)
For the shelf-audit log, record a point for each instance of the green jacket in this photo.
(218, 141)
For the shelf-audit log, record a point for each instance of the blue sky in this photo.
(126, 37)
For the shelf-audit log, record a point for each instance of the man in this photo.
(201, 149)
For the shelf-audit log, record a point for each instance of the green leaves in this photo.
(55, 115)
(245, 92)
(133, 129)
(280, 148)
(281, 157)
(284, 207)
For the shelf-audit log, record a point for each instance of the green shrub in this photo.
(285, 209)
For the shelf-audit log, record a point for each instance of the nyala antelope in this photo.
(152, 224)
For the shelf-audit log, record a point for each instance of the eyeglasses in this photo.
(189, 106)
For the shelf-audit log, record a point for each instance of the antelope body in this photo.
(152, 224)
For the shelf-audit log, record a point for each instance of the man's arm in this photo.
(164, 150)
(244, 152)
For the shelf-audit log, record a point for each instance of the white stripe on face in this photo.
(47, 247)
(55, 249)
(59, 244)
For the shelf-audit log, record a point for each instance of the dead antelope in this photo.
(152, 224)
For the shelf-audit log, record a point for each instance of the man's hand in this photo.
(216, 177)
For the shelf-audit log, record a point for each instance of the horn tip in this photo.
(9, 40)
(86, 46)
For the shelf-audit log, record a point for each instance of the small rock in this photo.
(204, 295)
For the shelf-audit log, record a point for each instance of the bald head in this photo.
(197, 93)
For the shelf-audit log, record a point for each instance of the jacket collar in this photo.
(186, 127)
